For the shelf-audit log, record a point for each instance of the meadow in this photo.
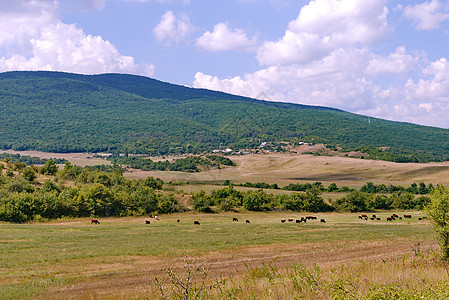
(122, 257)
(344, 258)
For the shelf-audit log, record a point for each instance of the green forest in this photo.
(63, 112)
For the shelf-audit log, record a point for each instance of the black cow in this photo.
(196, 222)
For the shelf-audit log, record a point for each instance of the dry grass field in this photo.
(344, 258)
(283, 169)
(121, 258)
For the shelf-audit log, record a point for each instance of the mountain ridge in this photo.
(67, 112)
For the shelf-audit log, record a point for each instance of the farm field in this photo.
(121, 257)
(286, 168)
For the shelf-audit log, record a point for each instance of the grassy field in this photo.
(122, 257)
(265, 259)
(284, 169)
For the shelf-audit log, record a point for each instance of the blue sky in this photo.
(386, 59)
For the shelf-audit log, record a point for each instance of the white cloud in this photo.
(64, 47)
(397, 62)
(21, 19)
(32, 38)
(223, 38)
(325, 25)
(172, 29)
(427, 15)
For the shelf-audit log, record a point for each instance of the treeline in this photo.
(188, 164)
(357, 201)
(28, 160)
(228, 199)
(369, 187)
(94, 194)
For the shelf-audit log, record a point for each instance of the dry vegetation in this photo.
(345, 258)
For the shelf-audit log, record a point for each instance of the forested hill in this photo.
(63, 112)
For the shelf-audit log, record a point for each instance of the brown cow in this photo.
(389, 219)
(94, 221)
(147, 222)
(178, 220)
(408, 216)
(196, 222)
(364, 216)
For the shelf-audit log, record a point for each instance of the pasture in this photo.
(284, 168)
(121, 257)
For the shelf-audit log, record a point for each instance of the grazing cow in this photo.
(364, 216)
(389, 219)
(94, 221)
(408, 216)
(378, 219)
(196, 222)
(283, 221)
(311, 218)
(395, 215)
(400, 218)
(374, 216)
(147, 222)
(360, 217)
(323, 221)
(290, 220)
(178, 220)
(298, 221)
(235, 220)
(372, 219)
(247, 221)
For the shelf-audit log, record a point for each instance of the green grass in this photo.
(35, 256)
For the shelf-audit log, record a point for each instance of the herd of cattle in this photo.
(365, 217)
(393, 217)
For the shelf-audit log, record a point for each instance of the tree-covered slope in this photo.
(62, 112)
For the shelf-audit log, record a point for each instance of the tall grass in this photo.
(413, 276)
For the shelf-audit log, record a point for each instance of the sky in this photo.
(380, 58)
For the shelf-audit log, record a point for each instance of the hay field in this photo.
(283, 169)
(121, 257)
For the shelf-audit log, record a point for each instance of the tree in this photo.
(29, 174)
(50, 168)
(438, 212)
(201, 202)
